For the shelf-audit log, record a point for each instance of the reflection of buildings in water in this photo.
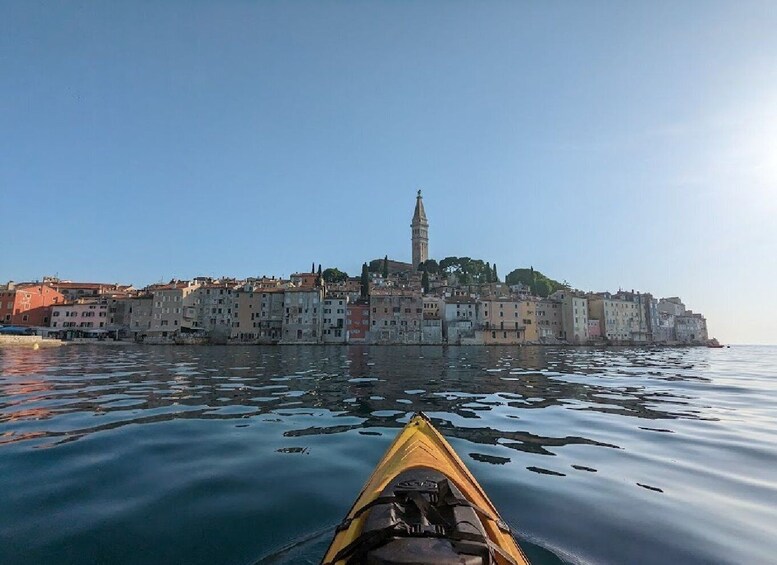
(21, 388)
(24, 361)
(465, 381)
(358, 357)
(21, 385)
(379, 385)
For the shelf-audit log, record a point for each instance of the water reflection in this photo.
(459, 387)
(277, 440)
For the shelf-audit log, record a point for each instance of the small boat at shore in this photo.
(422, 505)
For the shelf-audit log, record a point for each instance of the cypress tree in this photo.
(385, 267)
(425, 282)
(364, 284)
(496, 276)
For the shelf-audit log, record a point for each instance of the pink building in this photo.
(594, 329)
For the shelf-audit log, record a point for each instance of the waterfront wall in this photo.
(28, 341)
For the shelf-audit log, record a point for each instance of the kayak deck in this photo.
(421, 447)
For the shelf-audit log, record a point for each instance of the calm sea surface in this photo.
(239, 455)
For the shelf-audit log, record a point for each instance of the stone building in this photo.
(638, 315)
(459, 319)
(334, 319)
(357, 321)
(246, 307)
(395, 316)
(139, 312)
(214, 310)
(574, 316)
(528, 309)
(303, 315)
(173, 309)
(268, 321)
(621, 317)
(691, 328)
(549, 326)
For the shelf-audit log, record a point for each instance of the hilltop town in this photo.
(454, 301)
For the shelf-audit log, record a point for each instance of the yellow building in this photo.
(500, 321)
(528, 311)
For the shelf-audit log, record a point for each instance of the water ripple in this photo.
(218, 453)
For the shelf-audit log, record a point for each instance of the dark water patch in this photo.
(493, 459)
(543, 471)
(293, 450)
(648, 487)
(584, 468)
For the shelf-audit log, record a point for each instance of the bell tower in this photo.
(420, 233)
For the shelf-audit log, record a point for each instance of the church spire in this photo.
(420, 233)
(420, 214)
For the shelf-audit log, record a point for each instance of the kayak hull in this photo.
(420, 446)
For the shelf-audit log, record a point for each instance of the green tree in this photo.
(495, 276)
(425, 281)
(447, 264)
(385, 267)
(535, 280)
(334, 275)
(364, 283)
(431, 266)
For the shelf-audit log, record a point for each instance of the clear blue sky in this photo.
(612, 144)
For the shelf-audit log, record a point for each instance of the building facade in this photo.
(28, 304)
(528, 309)
(173, 310)
(500, 322)
(574, 316)
(335, 316)
(395, 316)
(357, 321)
(302, 315)
(84, 314)
(549, 326)
(140, 312)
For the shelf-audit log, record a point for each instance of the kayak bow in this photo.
(422, 505)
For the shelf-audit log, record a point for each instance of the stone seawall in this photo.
(29, 341)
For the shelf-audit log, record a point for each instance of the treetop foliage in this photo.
(334, 275)
(538, 283)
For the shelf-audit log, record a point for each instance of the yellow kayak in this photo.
(422, 506)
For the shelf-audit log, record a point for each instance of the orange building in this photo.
(28, 304)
